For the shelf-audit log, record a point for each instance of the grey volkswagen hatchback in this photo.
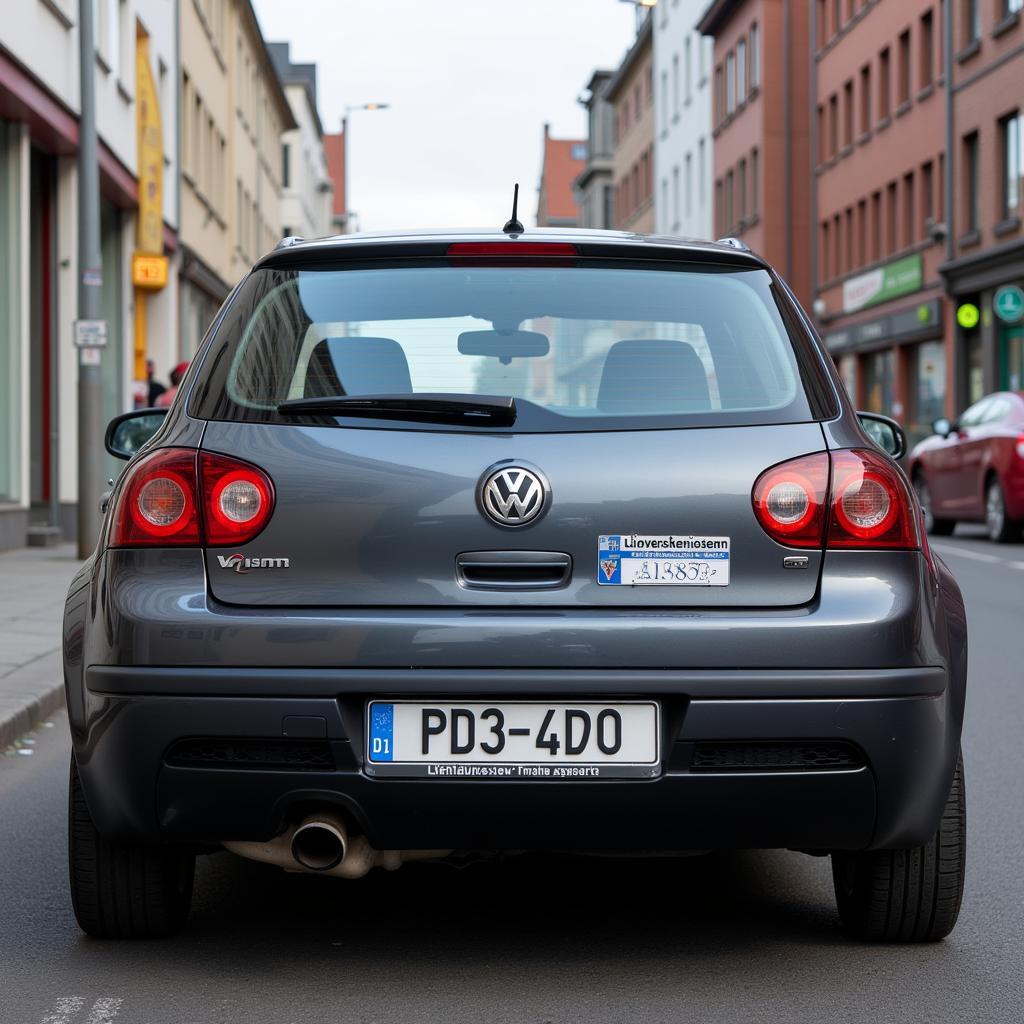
(479, 542)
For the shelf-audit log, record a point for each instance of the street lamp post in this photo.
(642, 7)
(344, 156)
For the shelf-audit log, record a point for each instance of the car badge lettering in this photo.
(241, 564)
(513, 496)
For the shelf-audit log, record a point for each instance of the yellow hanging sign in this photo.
(149, 132)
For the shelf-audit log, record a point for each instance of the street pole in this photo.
(90, 284)
(344, 170)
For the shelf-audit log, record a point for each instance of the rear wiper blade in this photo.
(424, 406)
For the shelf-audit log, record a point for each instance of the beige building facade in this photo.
(233, 114)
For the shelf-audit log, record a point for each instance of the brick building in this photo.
(563, 160)
(878, 151)
(985, 266)
(631, 93)
(761, 125)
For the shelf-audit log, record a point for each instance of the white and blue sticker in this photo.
(673, 560)
(382, 732)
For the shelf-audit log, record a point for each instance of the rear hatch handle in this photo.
(513, 570)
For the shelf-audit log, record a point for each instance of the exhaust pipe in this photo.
(320, 843)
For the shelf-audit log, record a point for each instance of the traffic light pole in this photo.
(90, 285)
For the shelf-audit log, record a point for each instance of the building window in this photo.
(742, 184)
(876, 226)
(848, 113)
(909, 210)
(664, 101)
(850, 260)
(286, 177)
(701, 171)
(972, 183)
(865, 99)
(688, 184)
(822, 134)
(904, 69)
(927, 49)
(755, 57)
(833, 125)
(719, 93)
(821, 24)
(1011, 130)
(719, 208)
(892, 221)
(837, 16)
(675, 198)
(730, 201)
(837, 244)
(675, 85)
(1012, 7)
(884, 84)
(927, 388)
(972, 21)
(741, 71)
(730, 83)
(688, 69)
(862, 232)
(927, 198)
(755, 183)
(826, 255)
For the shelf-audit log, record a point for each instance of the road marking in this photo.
(64, 1010)
(104, 1011)
(977, 556)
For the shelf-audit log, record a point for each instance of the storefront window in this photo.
(10, 314)
(927, 388)
(848, 373)
(975, 369)
(1013, 357)
(879, 378)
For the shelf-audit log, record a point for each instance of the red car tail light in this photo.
(871, 504)
(865, 502)
(513, 254)
(158, 505)
(789, 501)
(238, 499)
(167, 500)
(1020, 446)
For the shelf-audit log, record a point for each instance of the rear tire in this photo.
(120, 890)
(908, 895)
(933, 526)
(1001, 528)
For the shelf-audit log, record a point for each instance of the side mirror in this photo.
(943, 427)
(887, 434)
(127, 433)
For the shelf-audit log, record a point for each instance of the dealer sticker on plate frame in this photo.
(672, 560)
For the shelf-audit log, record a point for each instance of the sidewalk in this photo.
(33, 583)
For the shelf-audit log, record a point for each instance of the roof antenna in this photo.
(515, 225)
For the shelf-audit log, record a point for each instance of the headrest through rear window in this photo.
(357, 366)
(651, 375)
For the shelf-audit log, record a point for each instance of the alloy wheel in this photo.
(995, 511)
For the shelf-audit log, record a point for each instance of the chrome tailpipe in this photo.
(321, 844)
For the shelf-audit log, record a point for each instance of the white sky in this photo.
(471, 83)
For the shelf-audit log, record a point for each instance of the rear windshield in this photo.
(578, 348)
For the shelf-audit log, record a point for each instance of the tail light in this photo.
(178, 497)
(789, 501)
(1020, 446)
(512, 254)
(863, 503)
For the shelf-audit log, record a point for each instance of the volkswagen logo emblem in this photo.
(512, 495)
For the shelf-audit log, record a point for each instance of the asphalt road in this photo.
(742, 936)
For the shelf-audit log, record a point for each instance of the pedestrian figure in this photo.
(167, 397)
(154, 388)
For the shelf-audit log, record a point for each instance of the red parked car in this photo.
(972, 470)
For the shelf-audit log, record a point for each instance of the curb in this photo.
(27, 713)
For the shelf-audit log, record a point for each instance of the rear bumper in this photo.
(904, 722)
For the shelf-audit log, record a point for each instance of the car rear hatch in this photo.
(648, 400)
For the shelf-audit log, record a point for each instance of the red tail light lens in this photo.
(871, 504)
(789, 501)
(167, 500)
(865, 504)
(157, 505)
(237, 498)
(513, 254)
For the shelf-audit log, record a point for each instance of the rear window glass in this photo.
(579, 348)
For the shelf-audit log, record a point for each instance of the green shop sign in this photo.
(901, 277)
(1009, 304)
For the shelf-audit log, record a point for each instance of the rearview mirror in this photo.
(942, 427)
(887, 434)
(505, 346)
(127, 433)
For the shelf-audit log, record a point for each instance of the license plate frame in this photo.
(478, 766)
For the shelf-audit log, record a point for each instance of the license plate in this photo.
(513, 739)
(672, 560)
